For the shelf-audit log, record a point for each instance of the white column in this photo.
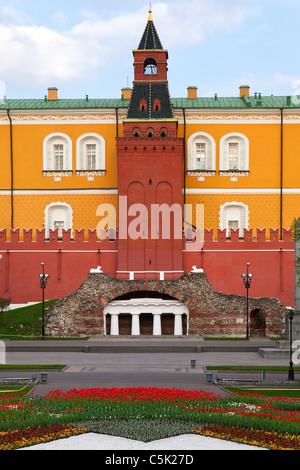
(156, 324)
(114, 324)
(177, 324)
(135, 324)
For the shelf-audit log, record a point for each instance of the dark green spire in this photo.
(150, 39)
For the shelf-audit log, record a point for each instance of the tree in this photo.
(4, 305)
(296, 238)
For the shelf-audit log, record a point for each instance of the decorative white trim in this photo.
(234, 175)
(57, 175)
(201, 175)
(243, 218)
(48, 163)
(245, 191)
(62, 117)
(81, 164)
(32, 192)
(48, 221)
(210, 151)
(234, 137)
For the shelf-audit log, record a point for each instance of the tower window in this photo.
(163, 132)
(136, 132)
(157, 105)
(143, 105)
(150, 132)
(150, 67)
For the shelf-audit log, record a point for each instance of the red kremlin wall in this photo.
(68, 262)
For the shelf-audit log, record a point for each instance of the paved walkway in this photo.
(184, 443)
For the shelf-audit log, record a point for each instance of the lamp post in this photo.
(291, 370)
(247, 278)
(43, 283)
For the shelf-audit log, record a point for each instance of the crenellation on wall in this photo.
(68, 261)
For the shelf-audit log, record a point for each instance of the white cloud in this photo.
(40, 55)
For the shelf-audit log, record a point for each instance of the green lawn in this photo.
(24, 322)
(31, 367)
(11, 389)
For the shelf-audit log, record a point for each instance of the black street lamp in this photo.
(43, 283)
(291, 370)
(247, 278)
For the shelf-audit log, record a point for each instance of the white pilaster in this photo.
(177, 324)
(156, 324)
(135, 324)
(114, 324)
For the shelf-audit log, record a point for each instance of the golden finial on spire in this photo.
(150, 13)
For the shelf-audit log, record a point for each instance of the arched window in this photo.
(201, 152)
(234, 216)
(57, 153)
(156, 105)
(150, 66)
(234, 152)
(58, 216)
(143, 105)
(90, 153)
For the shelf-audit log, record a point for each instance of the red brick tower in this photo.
(150, 171)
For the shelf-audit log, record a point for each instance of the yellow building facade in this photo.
(59, 159)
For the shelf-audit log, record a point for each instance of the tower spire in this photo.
(150, 13)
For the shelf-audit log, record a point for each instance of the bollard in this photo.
(44, 377)
(209, 378)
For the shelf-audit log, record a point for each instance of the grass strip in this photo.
(31, 367)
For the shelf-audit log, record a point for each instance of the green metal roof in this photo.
(265, 102)
(44, 104)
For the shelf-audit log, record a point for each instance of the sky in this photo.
(85, 48)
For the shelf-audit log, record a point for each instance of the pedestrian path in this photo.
(186, 442)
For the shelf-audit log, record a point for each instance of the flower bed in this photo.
(251, 415)
(253, 437)
(31, 436)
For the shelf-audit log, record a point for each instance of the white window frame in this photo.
(243, 155)
(50, 221)
(82, 154)
(49, 144)
(242, 217)
(210, 151)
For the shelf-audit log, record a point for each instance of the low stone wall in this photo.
(211, 314)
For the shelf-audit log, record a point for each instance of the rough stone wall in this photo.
(211, 314)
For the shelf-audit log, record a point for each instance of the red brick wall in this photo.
(69, 261)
